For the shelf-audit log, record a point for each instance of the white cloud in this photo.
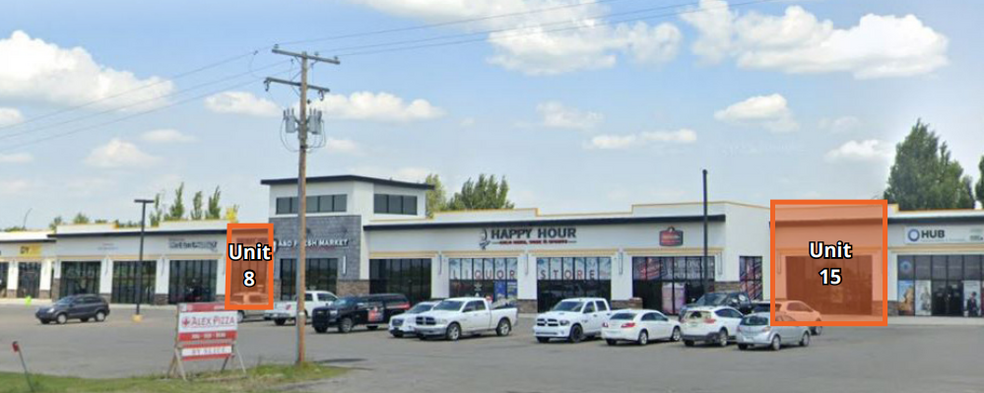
(615, 142)
(242, 103)
(16, 158)
(797, 42)
(10, 116)
(840, 124)
(467, 122)
(557, 115)
(17, 187)
(166, 135)
(380, 106)
(35, 70)
(771, 112)
(533, 42)
(867, 150)
(118, 154)
(344, 146)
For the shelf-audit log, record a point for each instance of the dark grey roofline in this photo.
(177, 232)
(48, 240)
(540, 223)
(934, 220)
(341, 178)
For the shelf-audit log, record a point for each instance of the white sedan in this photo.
(640, 326)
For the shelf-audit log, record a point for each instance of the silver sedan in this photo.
(755, 330)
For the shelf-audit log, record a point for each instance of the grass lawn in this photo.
(259, 379)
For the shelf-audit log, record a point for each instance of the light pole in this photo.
(143, 220)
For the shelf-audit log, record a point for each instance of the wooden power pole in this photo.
(302, 135)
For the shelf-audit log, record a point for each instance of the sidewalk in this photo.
(115, 306)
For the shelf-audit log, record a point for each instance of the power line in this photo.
(528, 33)
(443, 24)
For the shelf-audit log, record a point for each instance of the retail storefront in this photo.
(26, 259)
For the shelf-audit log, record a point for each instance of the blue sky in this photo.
(777, 100)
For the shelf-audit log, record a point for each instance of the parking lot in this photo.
(897, 358)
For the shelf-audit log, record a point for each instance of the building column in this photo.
(44, 291)
(56, 279)
(106, 278)
(162, 280)
(526, 283)
(440, 280)
(220, 275)
(12, 279)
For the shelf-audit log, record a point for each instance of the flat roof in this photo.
(541, 222)
(136, 232)
(347, 178)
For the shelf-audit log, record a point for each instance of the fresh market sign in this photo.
(938, 235)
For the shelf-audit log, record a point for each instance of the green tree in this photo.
(214, 211)
(486, 193)
(177, 209)
(437, 199)
(979, 190)
(157, 212)
(196, 207)
(56, 222)
(924, 176)
(15, 229)
(80, 218)
(232, 213)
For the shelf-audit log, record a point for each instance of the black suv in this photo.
(734, 299)
(81, 307)
(350, 311)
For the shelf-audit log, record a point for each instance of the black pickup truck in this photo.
(348, 312)
(734, 299)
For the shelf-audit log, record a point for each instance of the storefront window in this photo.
(410, 277)
(192, 281)
(125, 276)
(943, 285)
(750, 276)
(566, 277)
(491, 278)
(667, 283)
(3, 279)
(28, 279)
(79, 278)
(320, 275)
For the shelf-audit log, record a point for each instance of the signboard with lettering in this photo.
(527, 235)
(944, 234)
(204, 331)
(291, 243)
(176, 243)
(670, 237)
(29, 250)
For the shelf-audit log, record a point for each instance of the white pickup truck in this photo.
(572, 319)
(454, 317)
(284, 311)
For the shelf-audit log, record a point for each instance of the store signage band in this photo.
(670, 237)
(182, 244)
(948, 234)
(527, 235)
(291, 243)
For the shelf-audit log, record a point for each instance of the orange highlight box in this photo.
(813, 282)
(258, 296)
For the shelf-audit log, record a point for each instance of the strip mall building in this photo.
(369, 235)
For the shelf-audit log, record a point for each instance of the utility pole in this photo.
(140, 262)
(704, 275)
(302, 134)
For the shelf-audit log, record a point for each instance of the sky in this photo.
(583, 106)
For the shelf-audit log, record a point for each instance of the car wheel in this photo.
(345, 325)
(805, 341)
(321, 329)
(576, 335)
(84, 319)
(240, 317)
(503, 328)
(688, 343)
(816, 330)
(722, 338)
(45, 321)
(543, 340)
(643, 338)
(676, 334)
(61, 319)
(611, 342)
(372, 327)
(397, 334)
(100, 316)
(280, 321)
(453, 333)
(742, 346)
(776, 343)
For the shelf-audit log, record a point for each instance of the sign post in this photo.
(204, 331)
(27, 376)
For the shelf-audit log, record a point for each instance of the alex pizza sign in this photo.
(207, 325)
(204, 331)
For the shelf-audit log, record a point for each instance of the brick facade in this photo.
(352, 287)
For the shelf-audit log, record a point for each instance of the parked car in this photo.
(81, 307)
(735, 299)
(350, 311)
(640, 326)
(403, 324)
(572, 319)
(756, 330)
(717, 325)
(465, 315)
(252, 298)
(761, 306)
(284, 311)
(800, 312)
